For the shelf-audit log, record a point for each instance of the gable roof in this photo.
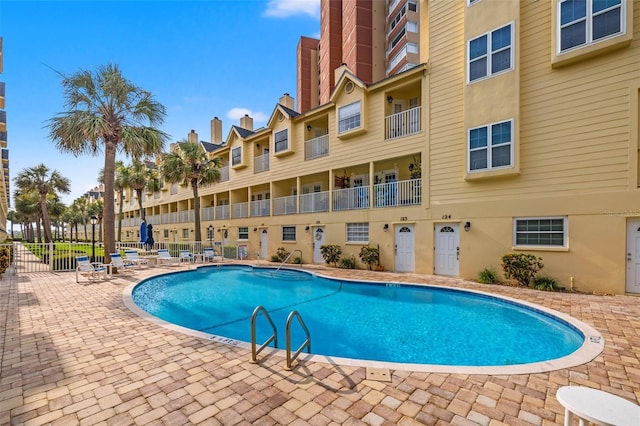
(345, 77)
(211, 147)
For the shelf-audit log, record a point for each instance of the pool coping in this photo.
(592, 346)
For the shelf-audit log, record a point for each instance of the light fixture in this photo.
(306, 228)
(255, 229)
(411, 167)
(308, 127)
(93, 220)
(258, 145)
(385, 228)
(389, 98)
(467, 226)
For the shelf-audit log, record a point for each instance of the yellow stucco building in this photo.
(517, 132)
(4, 171)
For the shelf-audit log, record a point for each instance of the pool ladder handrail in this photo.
(287, 258)
(273, 338)
(306, 343)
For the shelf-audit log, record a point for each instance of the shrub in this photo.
(521, 267)
(331, 253)
(348, 262)
(545, 284)
(297, 260)
(5, 258)
(488, 276)
(281, 255)
(370, 256)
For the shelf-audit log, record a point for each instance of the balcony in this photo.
(351, 198)
(224, 173)
(208, 213)
(393, 194)
(221, 212)
(240, 210)
(284, 205)
(261, 163)
(317, 147)
(314, 202)
(169, 217)
(260, 208)
(187, 216)
(403, 123)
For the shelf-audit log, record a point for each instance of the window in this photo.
(545, 231)
(243, 233)
(282, 140)
(584, 22)
(166, 233)
(490, 147)
(357, 232)
(236, 156)
(349, 117)
(174, 189)
(288, 233)
(185, 233)
(491, 53)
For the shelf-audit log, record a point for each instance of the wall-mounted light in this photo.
(308, 127)
(411, 167)
(389, 98)
(467, 226)
(306, 228)
(385, 228)
(255, 229)
(258, 145)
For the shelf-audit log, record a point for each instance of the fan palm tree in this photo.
(120, 183)
(96, 208)
(28, 207)
(106, 111)
(12, 216)
(141, 177)
(189, 165)
(45, 182)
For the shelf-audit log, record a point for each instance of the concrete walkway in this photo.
(74, 354)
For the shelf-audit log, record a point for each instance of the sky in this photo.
(200, 59)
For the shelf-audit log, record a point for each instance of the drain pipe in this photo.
(571, 283)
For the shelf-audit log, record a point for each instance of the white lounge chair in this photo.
(164, 256)
(210, 255)
(94, 271)
(186, 256)
(134, 257)
(123, 266)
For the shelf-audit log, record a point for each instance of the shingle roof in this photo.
(244, 133)
(210, 147)
(289, 111)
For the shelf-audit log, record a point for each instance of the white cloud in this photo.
(287, 8)
(237, 113)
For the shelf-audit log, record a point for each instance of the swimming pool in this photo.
(380, 322)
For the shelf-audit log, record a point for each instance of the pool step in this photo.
(284, 274)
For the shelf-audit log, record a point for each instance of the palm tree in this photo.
(28, 205)
(96, 209)
(189, 165)
(12, 217)
(81, 207)
(56, 208)
(120, 183)
(106, 109)
(45, 182)
(141, 177)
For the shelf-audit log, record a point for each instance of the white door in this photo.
(318, 241)
(404, 249)
(633, 256)
(264, 243)
(447, 249)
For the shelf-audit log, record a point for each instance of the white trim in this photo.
(489, 53)
(565, 232)
(489, 147)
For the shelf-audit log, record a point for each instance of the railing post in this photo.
(50, 256)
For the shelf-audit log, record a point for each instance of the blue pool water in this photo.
(370, 321)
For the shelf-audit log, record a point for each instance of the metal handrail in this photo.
(307, 343)
(285, 261)
(274, 336)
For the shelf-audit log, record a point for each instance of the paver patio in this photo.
(74, 354)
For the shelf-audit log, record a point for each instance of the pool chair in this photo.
(134, 257)
(165, 257)
(94, 271)
(124, 267)
(210, 255)
(186, 256)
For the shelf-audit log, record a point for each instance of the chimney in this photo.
(246, 122)
(287, 101)
(216, 131)
(193, 136)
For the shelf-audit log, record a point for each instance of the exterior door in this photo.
(633, 256)
(318, 241)
(404, 248)
(264, 243)
(447, 249)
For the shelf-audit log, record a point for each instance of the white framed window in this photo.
(236, 156)
(349, 117)
(584, 22)
(243, 233)
(185, 233)
(166, 233)
(358, 232)
(281, 140)
(288, 233)
(491, 146)
(491, 53)
(174, 189)
(472, 2)
(540, 231)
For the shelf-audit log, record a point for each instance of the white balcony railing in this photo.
(314, 202)
(402, 193)
(186, 216)
(260, 208)
(222, 212)
(403, 123)
(208, 213)
(169, 217)
(351, 198)
(284, 205)
(261, 163)
(240, 210)
(317, 147)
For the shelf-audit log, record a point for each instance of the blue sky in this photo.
(200, 59)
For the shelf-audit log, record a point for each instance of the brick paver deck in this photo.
(74, 354)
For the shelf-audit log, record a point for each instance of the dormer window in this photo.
(236, 156)
(349, 117)
(281, 140)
